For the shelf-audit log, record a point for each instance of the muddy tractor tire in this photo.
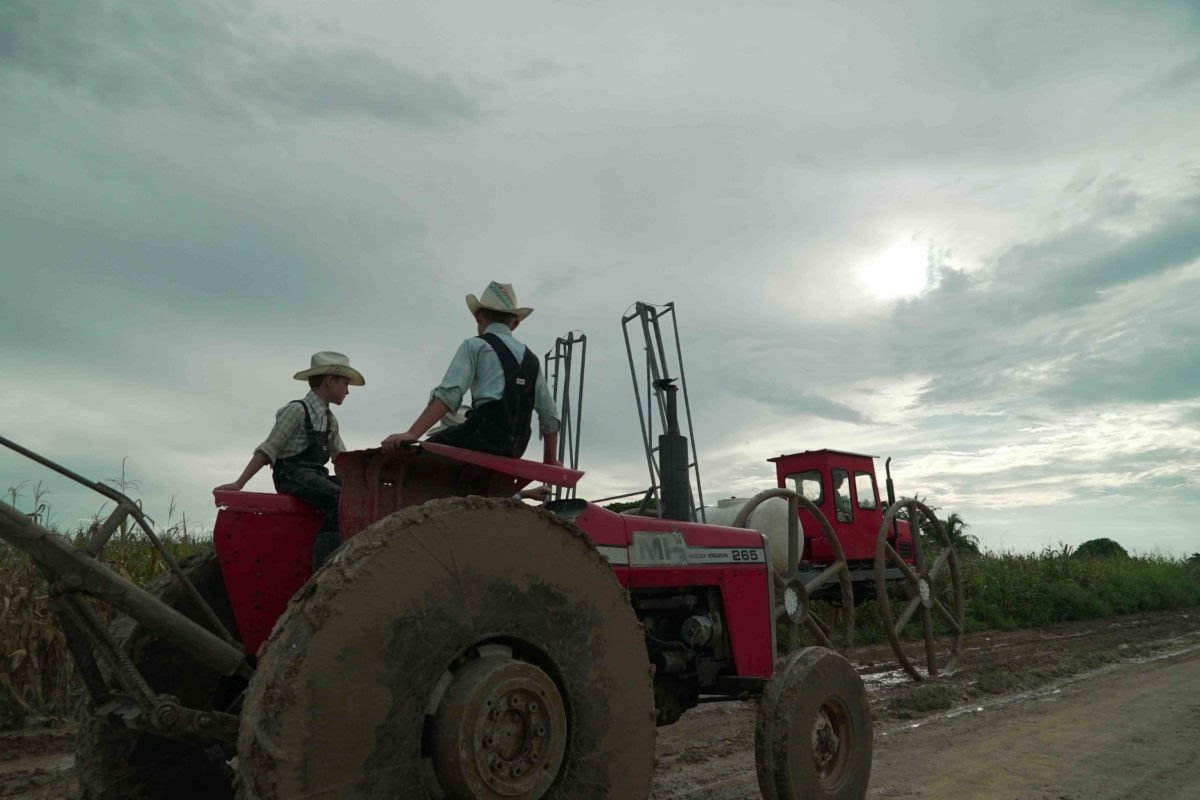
(115, 762)
(465, 648)
(813, 737)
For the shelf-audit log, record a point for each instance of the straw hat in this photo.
(328, 362)
(498, 297)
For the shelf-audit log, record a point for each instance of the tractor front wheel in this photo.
(813, 737)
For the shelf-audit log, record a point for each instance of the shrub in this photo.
(1101, 548)
(1072, 601)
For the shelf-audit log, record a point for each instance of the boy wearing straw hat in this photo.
(505, 382)
(304, 438)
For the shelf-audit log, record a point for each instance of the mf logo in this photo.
(655, 548)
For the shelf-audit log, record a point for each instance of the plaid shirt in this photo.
(289, 436)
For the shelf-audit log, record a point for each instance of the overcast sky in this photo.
(962, 234)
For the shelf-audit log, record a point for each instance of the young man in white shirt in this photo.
(505, 382)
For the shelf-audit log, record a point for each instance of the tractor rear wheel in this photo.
(465, 648)
(813, 737)
(115, 762)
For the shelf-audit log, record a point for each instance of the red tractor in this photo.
(460, 644)
(854, 538)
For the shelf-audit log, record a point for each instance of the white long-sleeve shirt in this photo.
(476, 368)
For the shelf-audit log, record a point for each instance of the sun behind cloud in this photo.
(902, 270)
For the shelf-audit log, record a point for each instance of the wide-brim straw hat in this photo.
(328, 362)
(498, 297)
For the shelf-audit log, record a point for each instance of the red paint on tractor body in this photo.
(746, 606)
(375, 483)
(264, 544)
(745, 592)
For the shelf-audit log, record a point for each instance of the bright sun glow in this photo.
(900, 271)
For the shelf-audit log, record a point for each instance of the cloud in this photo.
(1111, 261)
(1169, 372)
(1174, 80)
(1083, 314)
(787, 398)
(195, 197)
(539, 69)
(215, 57)
(355, 82)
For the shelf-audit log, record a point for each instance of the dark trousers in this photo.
(477, 434)
(321, 490)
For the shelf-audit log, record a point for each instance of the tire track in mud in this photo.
(719, 770)
(37, 764)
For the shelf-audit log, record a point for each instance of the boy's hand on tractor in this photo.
(227, 487)
(398, 440)
(538, 493)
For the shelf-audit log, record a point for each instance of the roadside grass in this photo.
(1012, 590)
(1007, 591)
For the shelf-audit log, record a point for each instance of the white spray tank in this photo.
(769, 519)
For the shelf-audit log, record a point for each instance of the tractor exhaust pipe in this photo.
(891, 489)
(673, 467)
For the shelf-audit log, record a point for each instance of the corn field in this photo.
(37, 675)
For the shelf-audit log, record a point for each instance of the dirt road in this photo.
(1133, 732)
(1098, 710)
(1125, 728)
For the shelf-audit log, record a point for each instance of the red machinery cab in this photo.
(843, 486)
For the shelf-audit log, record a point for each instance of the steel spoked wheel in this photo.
(792, 593)
(813, 738)
(931, 594)
(466, 648)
